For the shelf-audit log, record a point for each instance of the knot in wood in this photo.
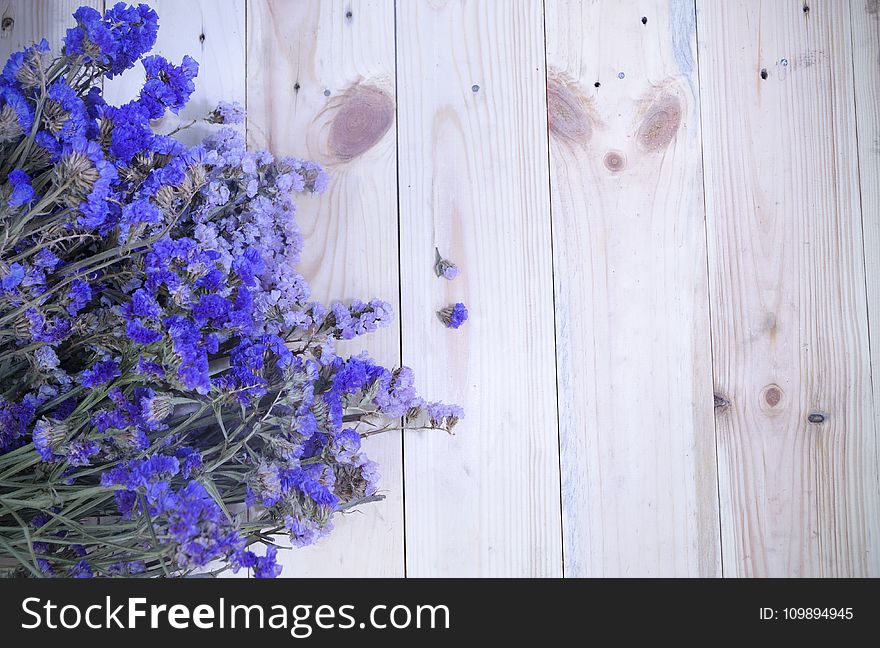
(566, 116)
(364, 115)
(614, 161)
(772, 395)
(660, 124)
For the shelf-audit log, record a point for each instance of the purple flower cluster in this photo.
(228, 112)
(114, 41)
(22, 190)
(99, 374)
(191, 520)
(253, 217)
(168, 86)
(157, 340)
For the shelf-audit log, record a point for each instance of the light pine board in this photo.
(639, 489)
(321, 86)
(789, 316)
(865, 17)
(473, 182)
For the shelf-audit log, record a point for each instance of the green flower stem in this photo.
(146, 508)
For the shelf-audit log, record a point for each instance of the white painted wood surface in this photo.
(632, 307)
(736, 244)
(797, 444)
(473, 183)
(865, 18)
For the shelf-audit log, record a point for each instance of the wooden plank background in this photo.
(797, 448)
(667, 214)
(636, 427)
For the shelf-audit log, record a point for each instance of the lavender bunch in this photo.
(161, 363)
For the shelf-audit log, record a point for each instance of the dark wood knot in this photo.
(364, 115)
(721, 403)
(614, 161)
(661, 123)
(772, 395)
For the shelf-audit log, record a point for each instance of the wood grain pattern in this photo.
(639, 491)
(473, 182)
(321, 86)
(866, 71)
(797, 446)
(213, 33)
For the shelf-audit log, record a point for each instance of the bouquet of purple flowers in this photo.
(170, 398)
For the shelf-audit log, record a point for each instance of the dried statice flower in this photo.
(77, 173)
(16, 114)
(445, 268)
(115, 41)
(442, 414)
(157, 407)
(49, 435)
(228, 112)
(453, 316)
(28, 67)
(46, 358)
(22, 189)
(168, 86)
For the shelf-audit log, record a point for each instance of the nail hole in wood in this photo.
(816, 417)
(644, 20)
(326, 93)
(720, 402)
(8, 22)
(201, 38)
(764, 74)
(348, 14)
(597, 84)
(475, 88)
(296, 86)
(806, 8)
